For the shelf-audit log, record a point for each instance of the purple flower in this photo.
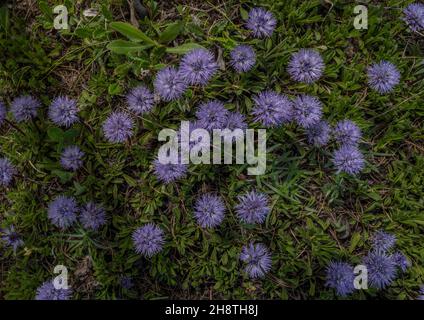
(47, 291)
(381, 269)
(306, 66)
(169, 172)
(340, 277)
(63, 211)
(198, 66)
(92, 216)
(383, 76)
(421, 292)
(63, 111)
(71, 158)
(319, 134)
(348, 159)
(209, 210)
(7, 171)
(261, 22)
(126, 282)
(11, 238)
(414, 16)
(271, 109)
(307, 110)
(235, 120)
(212, 115)
(401, 261)
(169, 84)
(383, 241)
(346, 132)
(24, 108)
(148, 240)
(257, 258)
(140, 100)
(118, 127)
(2, 112)
(252, 207)
(197, 141)
(243, 58)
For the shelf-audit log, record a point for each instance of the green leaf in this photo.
(64, 176)
(56, 134)
(125, 47)
(131, 32)
(184, 48)
(114, 89)
(244, 14)
(171, 32)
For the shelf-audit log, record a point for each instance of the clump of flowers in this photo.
(257, 258)
(118, 127)
(383, 76)
(63, 111)
(92, 216)
(212, 115)
(348, 159)
(2, 112)
(140, 100)
(169, 84)
(71, 158)
(383, 241)
(347, 132)
(243, 58)
(261, 23)
(7, 171)
(253, 207)
(381, 269)
(306, 66)
(198, 66)
(209, 210)
(169, 172)
(271, 109)
(414, 16)
(319, 134)
(307, 110)
(24, 108)
(11, 238)
(47, 291)
(148, 240)
(340, 277)
(62, 211)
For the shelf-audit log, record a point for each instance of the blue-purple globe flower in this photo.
(347, 132)
(212, 115)
(169, 172)
(257, 259)
(340, 277)
(169, 84)
(307, 110)
(2, 113)
(421, 293)
(243, 58)
(148, 240)
(209, 210)
(126, 282)
(198, 66)
(11, 238)
(381, 269)
(140, 100)
(47, 291)
(306, 66)
(261, 23)
(71, 158)
(272, 109)
(348, 159)
(118, 127)
(235, 120)
(383, 76)
(319, 134)
(383, 241)
(63, 111)
(7, 171)
(414, 16)
(24, 108)
(252, 207)
(62, 211)
(92, 216)
(401, 261)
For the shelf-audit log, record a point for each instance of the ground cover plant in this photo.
(80, 184)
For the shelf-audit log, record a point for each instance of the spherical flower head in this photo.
(198, 66)
(421, 293)
(7, 171)
(272, 109)
(191, 135)
(212, 115)
(209, 210)
(126, 282)
(2, 112)
(169, 84)
(253, 207)
(140, 100)
(11, 238)
(261, 23)
(63, 111)
(340, 277)
(257, 258)
(243, 58)
(63, 211)
(319, 134)
(92, 216)
(24, 108)
(169, 172)
(306, 66)
(47, 291)
(148, 240)
(414, 16)
(307, 110)
(383, 241)
(348, 159)
(383, 76)
(381, 269)
(71, 158)
(401, 261)
(347, 132)
(118, 127)
(235, 120)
